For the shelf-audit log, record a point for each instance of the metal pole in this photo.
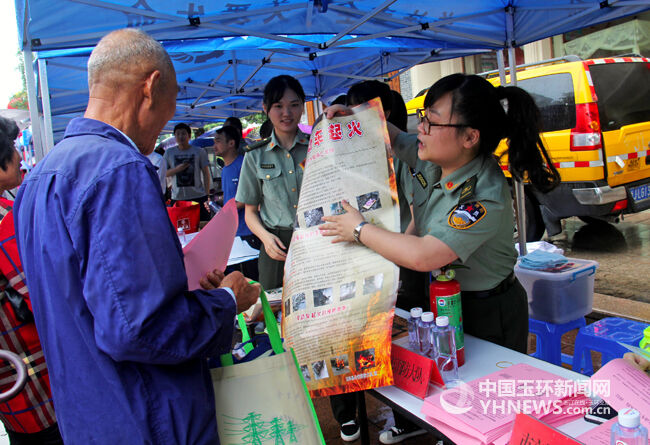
(48, 139)
(37, 140)
(520, 195)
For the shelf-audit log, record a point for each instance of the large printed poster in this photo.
(339, 299)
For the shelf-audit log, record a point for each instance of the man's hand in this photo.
(212, 280)
(246, 294)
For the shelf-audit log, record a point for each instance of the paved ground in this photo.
(622, 250)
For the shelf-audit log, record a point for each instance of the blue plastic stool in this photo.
(548, 339)
(603, 336)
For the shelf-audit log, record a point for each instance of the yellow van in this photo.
(596, 126)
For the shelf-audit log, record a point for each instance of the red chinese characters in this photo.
(335, 132)
(318, 138)
(354, 128)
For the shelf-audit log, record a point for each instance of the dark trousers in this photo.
(248, 268)
(49, 436)
(344, 407)
(500, 318)
(271, 271)
(413, 290)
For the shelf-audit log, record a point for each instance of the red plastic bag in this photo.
(185, 215)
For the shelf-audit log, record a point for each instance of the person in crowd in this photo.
(188, 166)
(341, 99)
(398, 113)
(29, 417)
(160, 149)
(226, 143)
(235, 122)
(271, 176)
(462, 210)
(126, 341)
(161, 168)
(266, 129)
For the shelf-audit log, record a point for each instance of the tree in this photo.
(19, 101)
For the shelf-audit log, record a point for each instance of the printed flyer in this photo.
(339, 299)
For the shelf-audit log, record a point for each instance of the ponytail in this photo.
(527, 155)
(479, 105)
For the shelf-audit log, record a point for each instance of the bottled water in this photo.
(214, 207)
(446, 345)
(628, 430)
(426, 330)
(414, 341)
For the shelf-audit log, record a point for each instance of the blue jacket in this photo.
(229, 181)
(124, 339)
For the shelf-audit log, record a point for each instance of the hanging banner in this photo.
(339, 299)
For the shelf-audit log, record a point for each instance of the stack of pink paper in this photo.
(483, 411)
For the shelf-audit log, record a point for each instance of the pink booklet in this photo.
(210, 248)
(483, 411)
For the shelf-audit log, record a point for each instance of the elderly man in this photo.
(125, 340)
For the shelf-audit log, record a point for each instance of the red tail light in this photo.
(620, 205)
(586, 134)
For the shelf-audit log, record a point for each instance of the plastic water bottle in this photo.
(628, 430)
(446, 345)
(426, 330)
(414, 341)
(214, 208)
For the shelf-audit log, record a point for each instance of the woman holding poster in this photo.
(462, 205)
(271, 176)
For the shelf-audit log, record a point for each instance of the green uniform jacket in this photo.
(469, 210)
(271, 177)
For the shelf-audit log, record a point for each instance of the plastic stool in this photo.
(548, 338)
(603, 336)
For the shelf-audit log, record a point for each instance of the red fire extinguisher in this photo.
(444, 296)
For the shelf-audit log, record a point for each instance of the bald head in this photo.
(127, 51)
(132, 86)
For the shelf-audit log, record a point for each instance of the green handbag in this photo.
(264, 400)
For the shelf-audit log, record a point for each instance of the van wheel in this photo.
(534, 223)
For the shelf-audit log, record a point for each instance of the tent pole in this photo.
(37, 139)
(520, 196)
(48, 139)
(363, 20)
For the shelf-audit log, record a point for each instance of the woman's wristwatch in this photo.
(357, 232)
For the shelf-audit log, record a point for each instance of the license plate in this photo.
(640, 193)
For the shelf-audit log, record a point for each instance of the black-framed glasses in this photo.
(422, 115)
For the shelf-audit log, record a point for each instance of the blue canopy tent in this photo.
(377, 37)
(224, 51)
(225, 77)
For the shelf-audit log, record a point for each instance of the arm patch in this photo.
(464, 216)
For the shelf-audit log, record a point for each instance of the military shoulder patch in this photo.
(258, 144)
(464, 216)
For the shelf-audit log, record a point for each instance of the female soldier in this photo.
(462, 206)
(271, 177)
